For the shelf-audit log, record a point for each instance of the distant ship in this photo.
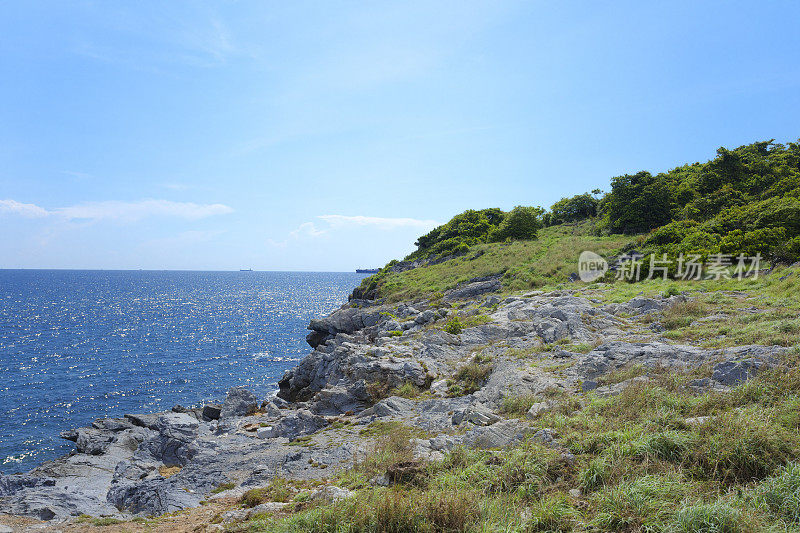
(245, 270)
(367, 270)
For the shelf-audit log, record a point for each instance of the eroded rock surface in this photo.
(533, 345)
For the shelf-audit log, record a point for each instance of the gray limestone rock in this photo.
(298, 424)
(240, 402)
(497, 435)
(173, 444)
(735, 372)
(471, 290)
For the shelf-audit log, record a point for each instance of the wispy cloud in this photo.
(12, 207)
(156, 42)
(334, 222)
(115, 210)
(380, 222)
(307, 229)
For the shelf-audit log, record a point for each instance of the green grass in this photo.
(718, 517)
(381, 428)
(98, 522)
(407, 390)
(549, 260)
(780, 494)
(749, 311)
(639, 466)
(519, 405)
(470, 377)
(223, 487)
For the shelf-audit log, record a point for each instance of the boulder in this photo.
(733, 372)
(112, 424)
(93, 441)
(331, 493)
(392, 406)
(240, 402)
(540, 408)
(346, 320)
(475, 414)
(173, 444)
(473, 289)
(497, 435)
(149, 421)
(332, 401)
(298, 424)
(212, 412)
(152, 497)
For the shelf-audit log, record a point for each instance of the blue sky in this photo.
(329, 135)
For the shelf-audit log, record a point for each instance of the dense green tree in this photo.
(463, 230)
(637, 203)
(521, 223)
(578, 207)
(745, 200)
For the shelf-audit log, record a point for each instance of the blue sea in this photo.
(80, 345)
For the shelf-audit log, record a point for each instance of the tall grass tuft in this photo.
(716, 517)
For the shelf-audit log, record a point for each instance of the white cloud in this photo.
(132, 211)
(310, 229)
(307, 229)
(13, 207)
(384, 223)
(114, 210)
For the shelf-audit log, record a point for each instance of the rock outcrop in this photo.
(362, 360)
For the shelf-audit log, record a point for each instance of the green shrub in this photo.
(519, 405)
(672, 290)
(637, 203)
(571, 209)
(407, 390)
(761, 240)
(681, 314)
(521, 223)
(388, 511)
(670, 233)
(459, 233)
(395, 333)
(454, 325)
(525, 472)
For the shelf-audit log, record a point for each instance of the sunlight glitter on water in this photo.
(78, 345)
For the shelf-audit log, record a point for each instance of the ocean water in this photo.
(80, 345)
